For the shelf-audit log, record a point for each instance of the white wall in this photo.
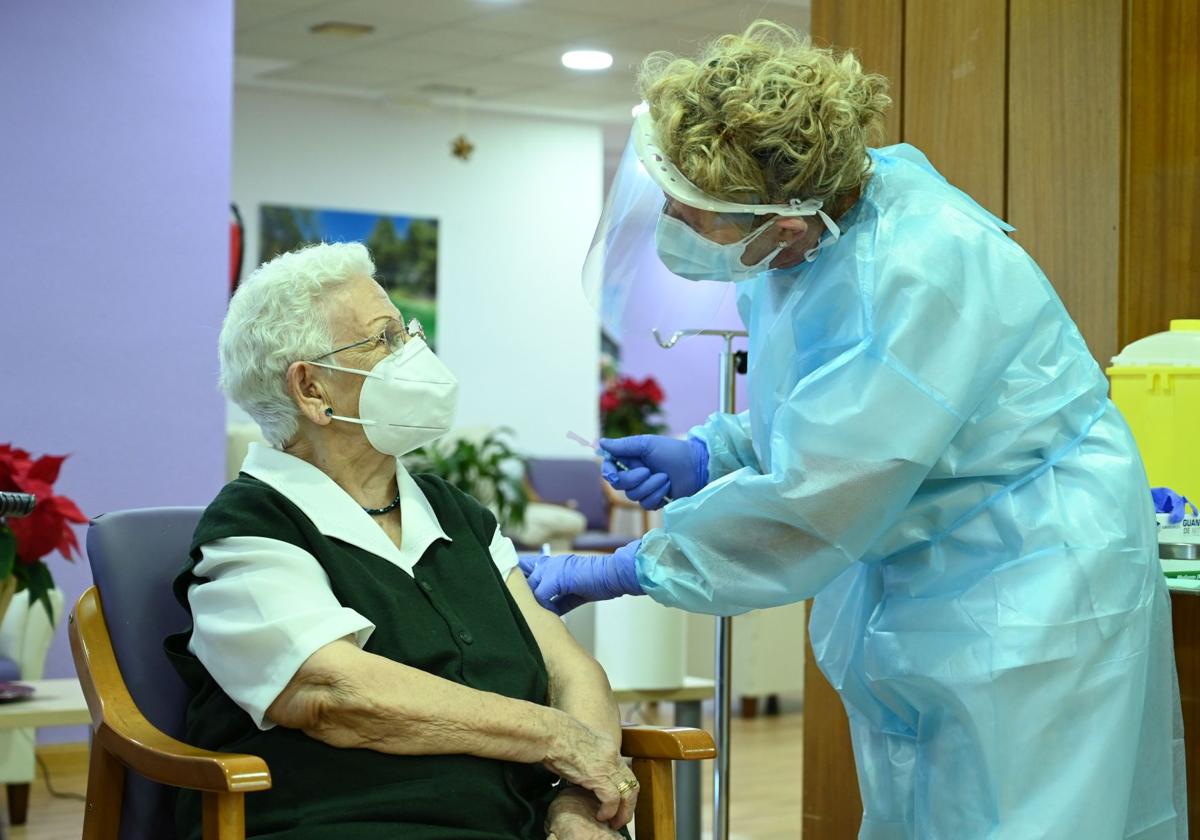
(514, 225)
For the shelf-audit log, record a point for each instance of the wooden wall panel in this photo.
(831, 804)
(1161, 224)
(874, 29)
(832, 807)
(1064, 153)
(954, 89)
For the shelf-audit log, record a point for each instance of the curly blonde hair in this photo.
(764, 116)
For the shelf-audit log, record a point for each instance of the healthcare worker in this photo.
(929, 451)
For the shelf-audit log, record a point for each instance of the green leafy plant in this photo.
(487, 468)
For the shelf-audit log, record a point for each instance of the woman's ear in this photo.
(309, 392)
(788, 229)
(798, 235)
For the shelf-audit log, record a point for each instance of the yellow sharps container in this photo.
(1156, 384)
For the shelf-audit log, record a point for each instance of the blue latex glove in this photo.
(657, 468)
(1171, 503)
(563, 582)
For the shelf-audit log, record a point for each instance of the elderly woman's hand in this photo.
(572, 817)
(590, 759)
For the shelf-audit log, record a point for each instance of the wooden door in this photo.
(1064, 153)
(832, 806)
(874, 30)
(954, 91)
(1160, 227)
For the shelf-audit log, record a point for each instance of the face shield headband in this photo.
(676, 185)
(624, 276)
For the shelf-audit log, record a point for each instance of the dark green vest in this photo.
(453, 618)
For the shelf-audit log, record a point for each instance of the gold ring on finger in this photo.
(626, 786)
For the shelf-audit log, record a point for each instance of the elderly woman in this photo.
(929, 451)
(360, 628)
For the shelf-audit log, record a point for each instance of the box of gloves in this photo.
(1186, 530)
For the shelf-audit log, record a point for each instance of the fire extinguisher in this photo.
(237, 247)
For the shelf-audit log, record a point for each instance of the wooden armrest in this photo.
(532, 494)
(123, 730)
(677, 742)
(161, 758)
(616, 499)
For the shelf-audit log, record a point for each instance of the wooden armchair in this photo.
(136, 701)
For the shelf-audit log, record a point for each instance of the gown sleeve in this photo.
(856, 437)
(727, 439)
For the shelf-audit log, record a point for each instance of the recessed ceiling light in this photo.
(341, 28)
(587, 60)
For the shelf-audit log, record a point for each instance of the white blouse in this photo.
(267, 605)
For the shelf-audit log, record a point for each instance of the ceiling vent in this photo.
(443, 89)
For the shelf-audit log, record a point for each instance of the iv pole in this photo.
(724, 646)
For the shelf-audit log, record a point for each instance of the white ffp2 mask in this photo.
(408, 399)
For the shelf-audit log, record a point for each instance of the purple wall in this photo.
(689, 372)
(115, 161)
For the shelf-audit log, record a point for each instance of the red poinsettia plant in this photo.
(631, 407)
(25, 541)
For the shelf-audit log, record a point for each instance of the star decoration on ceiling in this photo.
(461, 147)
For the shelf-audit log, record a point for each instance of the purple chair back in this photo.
(574, 482)
(135, 555)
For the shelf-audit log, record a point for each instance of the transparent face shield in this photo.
(623, 277)
(659, 234)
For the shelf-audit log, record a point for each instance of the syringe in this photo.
(594, 446)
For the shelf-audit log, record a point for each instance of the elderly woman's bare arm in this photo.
(347, 697)
(578, 685)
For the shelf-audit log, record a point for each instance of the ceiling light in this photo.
(587, 60)
(341, 28)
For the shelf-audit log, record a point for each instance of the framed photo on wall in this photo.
(405, 250)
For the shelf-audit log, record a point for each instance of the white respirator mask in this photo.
(408, 399)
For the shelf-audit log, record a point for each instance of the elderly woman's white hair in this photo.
(278, 317)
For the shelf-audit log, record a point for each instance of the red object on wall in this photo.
(237, 245)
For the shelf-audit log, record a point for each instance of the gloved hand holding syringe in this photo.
(608, 457)
(649, 469)
(652, 470)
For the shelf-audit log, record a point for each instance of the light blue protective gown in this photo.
(930, 451)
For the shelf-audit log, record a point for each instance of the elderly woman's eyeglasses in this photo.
(394, 336)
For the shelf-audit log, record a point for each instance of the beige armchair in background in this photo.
(238, 437)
